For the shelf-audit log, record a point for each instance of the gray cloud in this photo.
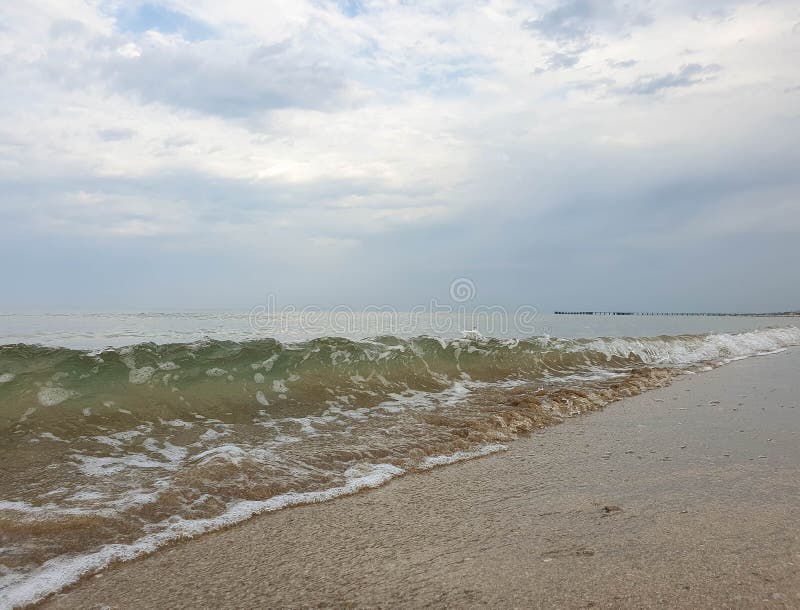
(569, 20)
(560, 61)
(720, 13)
(573, 24)
(196, 77)
(115, 134)
(210, 201)
(66, 28)
(210, 76)
(593, 84)
(573, 20)
(177, 141)
(628, 63)
(688, 76)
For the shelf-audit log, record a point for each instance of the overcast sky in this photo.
(574, 154)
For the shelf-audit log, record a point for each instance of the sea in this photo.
(123, 432)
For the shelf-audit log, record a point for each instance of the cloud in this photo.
(66, 28)
(210, 79)
(352, 8)
(178, 141)
(573, 20)
(628, 63)
(593, 84)
(334, 243)
(687, 76)
(115, 134)
(576, 27)
(159, 56)
(407, 140)
(560, 61)
(720, 13)
(140, 18)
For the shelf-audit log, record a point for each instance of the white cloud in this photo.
(130, 50)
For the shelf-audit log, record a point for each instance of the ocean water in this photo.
(100, 330)
(121, 432)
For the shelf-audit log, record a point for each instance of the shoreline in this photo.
(395, 545)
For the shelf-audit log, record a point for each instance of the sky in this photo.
(570, 154)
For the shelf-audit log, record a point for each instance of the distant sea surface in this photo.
(120, 432)
(109, 329)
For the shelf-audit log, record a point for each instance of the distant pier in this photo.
(785, 314)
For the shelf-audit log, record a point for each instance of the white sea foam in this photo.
(172, 454)
(233, 454)
(83, 496)
(59, 572)
(127, 435)
(211, 434)
(104, 466)
(107, 440)
(51, 437)
(7, 377)
(142, 375)
(177, 423)
(460, 456)
(52, 396)
(266, 365)
(47, 510)
(723, 347)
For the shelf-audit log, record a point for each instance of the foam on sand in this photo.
(63, 571)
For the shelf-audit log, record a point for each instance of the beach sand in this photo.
(686, 496)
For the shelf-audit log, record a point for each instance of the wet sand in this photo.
(686, 496)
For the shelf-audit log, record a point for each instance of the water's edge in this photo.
(78, 571)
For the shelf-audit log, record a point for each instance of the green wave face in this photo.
(234, 381)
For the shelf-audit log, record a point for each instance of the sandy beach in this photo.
(686, 496)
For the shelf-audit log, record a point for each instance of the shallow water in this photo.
(107, 453)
